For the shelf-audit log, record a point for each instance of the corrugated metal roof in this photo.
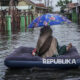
(40, 5)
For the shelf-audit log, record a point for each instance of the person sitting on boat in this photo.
(47, 45)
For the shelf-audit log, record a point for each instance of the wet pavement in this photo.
(9, 42)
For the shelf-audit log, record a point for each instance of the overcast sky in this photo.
(54, 2)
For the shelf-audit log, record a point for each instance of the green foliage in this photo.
(63, 3)
(50, 9)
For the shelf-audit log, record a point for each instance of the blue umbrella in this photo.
(48, 19)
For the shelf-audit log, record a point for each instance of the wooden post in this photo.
(30, 18)
(0, 22)
(74, 15)
(34, 17)
(8, 23)
(78, 15)
(3, 20)
(27, 22)
(22, 23)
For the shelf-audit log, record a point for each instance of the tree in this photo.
(62, 4)
(50, 9)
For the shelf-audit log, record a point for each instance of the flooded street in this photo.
(9, 42)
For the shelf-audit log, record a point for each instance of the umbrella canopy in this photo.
(48, 19)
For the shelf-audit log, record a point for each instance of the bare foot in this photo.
(69, 46)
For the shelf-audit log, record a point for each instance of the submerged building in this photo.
(26, 5)
(17, 14)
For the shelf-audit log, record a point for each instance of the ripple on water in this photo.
(64, 33)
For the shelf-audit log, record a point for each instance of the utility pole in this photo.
(77, 1)
(48, 3)
(45, 2)
(1, 5)
(40, 1)
(51, 3)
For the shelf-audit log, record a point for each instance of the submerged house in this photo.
(24, 5)
(41, 9)
(18, 14)
(36, 9)
(71, 9)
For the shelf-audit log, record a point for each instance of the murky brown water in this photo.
(8, 42)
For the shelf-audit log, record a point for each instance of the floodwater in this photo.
(10, 41)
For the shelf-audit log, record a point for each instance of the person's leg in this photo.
(62, 50)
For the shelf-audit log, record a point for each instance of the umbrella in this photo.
(48, 19)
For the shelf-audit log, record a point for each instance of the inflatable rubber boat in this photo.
(22, 58)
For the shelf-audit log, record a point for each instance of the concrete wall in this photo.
(18, 7)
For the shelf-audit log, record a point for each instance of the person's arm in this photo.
(35, 52)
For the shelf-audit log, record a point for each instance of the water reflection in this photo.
(16, 74)
(42, 74)
(11, 40)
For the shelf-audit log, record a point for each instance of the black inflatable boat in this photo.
(22, 58)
